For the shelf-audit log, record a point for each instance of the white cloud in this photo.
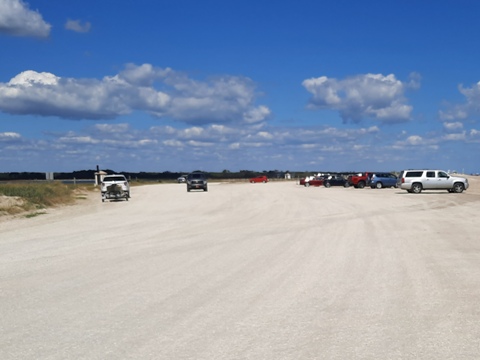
(455, 137)
(173, 143)
(469, 108)
(119, 146)
(79, 139)
(452, 126)
(17, 19)
(455, 113)
(266, 135)
(415, 140)
(112, 128)
(9, 136)
(256, 114)
(31, 78)
(226, 99)
(199, 143)
(78, 26)
(49, 95)
(364, 96)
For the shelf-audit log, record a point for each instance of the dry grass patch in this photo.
(17, 198)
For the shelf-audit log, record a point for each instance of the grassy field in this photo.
(32, 198)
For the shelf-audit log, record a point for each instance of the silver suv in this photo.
(414, 181)
(197, 180)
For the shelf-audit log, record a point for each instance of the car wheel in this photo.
(417, 188)
(327, 185)
(307, 184)
(361, 185)
(458, 188)
(346, 185)
(379, 185)
(188, 189)
(205, 189)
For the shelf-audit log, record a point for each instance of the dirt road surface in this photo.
(245, 271)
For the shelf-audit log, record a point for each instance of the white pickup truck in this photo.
(115, 187)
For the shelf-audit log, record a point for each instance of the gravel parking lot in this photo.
(245, 271)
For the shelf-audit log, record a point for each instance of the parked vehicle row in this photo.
(413, 181)
(116, 186)
(198, 181)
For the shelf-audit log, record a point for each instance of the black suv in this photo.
(197, 180)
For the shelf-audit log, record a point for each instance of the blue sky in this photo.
(179, 85)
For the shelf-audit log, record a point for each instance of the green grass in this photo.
(35, 196)
(31, 215)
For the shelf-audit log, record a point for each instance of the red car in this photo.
(259, 179)
(316, 181)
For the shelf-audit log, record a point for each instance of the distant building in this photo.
(99, 175)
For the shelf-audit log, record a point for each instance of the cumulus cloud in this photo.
(17, 19)
(159, 92)
(78, 26)
(456, 136)
(9, 136)
(414, 140)
(471, 106)
(372, 96)
(452, 126)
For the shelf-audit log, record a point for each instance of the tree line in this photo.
(149, 176)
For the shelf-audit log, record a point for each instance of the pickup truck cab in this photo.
(358, 180)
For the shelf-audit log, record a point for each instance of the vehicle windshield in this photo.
(114, 178)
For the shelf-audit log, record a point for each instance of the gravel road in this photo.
(245, 271)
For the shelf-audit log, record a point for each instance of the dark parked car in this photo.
(335, 180)
(381, 180)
